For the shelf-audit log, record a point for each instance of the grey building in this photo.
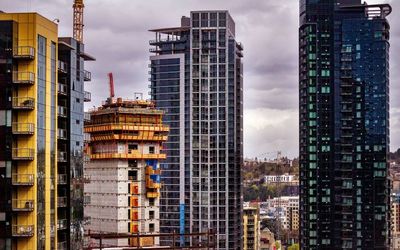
(71, 98)
(196, 77)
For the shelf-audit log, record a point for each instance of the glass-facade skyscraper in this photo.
(344, 125)
(196, 78)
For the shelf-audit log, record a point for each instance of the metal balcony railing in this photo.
(86, 117)
(61, 134)
(22, 205)
(62, 245)
(62, 111)
(61, 201)
(62, 67)
(62, 89)
(62, 224)
(23, 103)
(23, 128)
(62, 179)
(87, 76)
(23, 153)
(24, 52)
(87, 96)
(22, 230)
(22, 179)
(62, 156)
(23, 77)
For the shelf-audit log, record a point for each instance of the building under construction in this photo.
(124, 149)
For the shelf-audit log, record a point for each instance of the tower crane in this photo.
(78, 20)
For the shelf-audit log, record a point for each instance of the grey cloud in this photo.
(116, 33)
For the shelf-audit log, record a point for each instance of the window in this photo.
(132, 147)
(151, 202)
(325, 90)
(132, 175)
(151, 227)
(325, 73)
(151, 215)
(151, 150)
(312, 73)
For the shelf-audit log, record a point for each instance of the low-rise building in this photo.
(251, 228)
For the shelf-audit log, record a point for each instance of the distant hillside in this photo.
(256, 170)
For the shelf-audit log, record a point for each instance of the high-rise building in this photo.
(251, 228)
(70, 179)
(344, 125)
(123, 194)
(42, 126)
(28, 116)
(196, 77)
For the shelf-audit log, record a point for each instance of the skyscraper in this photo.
(344, 125)
(41, 169)
(28, 115)
(196, 78)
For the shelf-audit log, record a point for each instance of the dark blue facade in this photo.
(344, 125)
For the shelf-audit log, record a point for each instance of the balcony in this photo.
(23, 154)
(87, 96)
(62, 89)
(23, 103)
(87, 76)
(23, 77)
(22, 230)
(86, 137)
(62, 156)
(22, 205)
(86, 117)
(62, 245)
(62, 179)
(23, 128)
(61, 134)
(62, 224)
(24, 52)
(22, 179)
(62, 67)
(62, 111)
(62, 201)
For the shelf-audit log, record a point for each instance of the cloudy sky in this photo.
(116, 33)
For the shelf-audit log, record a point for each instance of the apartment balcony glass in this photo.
(86, 117)
(23, 103)
(62, 156)
(23, 153)
(62, 89)
(23, 77)
(22, 230)
(62, 224)
(87, 76)
(62, 67)
(22, 205)
(62, 245)
(22, 179)
(24, 52)
(62, 179)
(23, 128)
(62, 111)
(61, 134)
(62, 201)
(87, 96)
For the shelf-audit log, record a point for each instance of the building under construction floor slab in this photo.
(124, 142)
